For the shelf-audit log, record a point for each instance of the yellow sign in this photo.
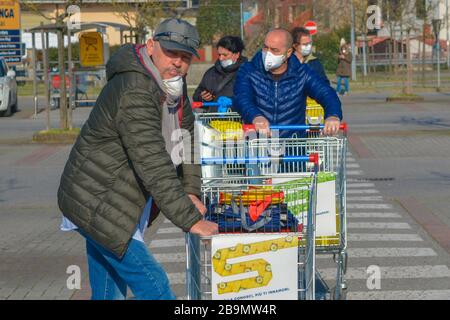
(91, 49)
(9, 15)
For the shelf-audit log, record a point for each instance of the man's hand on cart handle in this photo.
(331, 126)
(198, 204)
(262, 125)
(205, 228)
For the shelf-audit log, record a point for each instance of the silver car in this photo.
(8, 90)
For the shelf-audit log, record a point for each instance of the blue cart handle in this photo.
(314, 158)
(249, 127)
(223, 104)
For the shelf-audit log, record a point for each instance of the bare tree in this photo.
(142, 17)
(58, 18)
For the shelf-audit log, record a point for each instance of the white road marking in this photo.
(368, 206)
(400, 295)
(364, 198)
(373, 215)
(383, 237)
(360, 185)
(362, 191)
(169, 230)
(354, 172)
(167, 243)
(378, 225)
(390, 252)
(404, 272)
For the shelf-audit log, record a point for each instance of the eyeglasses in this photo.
(174, 36)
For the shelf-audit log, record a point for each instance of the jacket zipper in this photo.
(276, 103)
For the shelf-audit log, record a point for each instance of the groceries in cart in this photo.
(227, 129)
(314, 112)
(252, 210)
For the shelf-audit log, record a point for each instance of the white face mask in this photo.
(226, 63)
(272, 61)
(306, 50)
(174, 86)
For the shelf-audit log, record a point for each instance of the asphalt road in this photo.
(398, 199)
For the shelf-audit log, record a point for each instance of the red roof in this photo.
(257, 18)
(431, 41)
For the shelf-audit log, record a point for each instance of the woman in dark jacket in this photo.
(344, 69)
(219, 79)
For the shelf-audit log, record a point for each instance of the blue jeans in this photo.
(109, 276)
(346, 84)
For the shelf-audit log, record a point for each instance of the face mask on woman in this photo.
(272, 61)
(226, 63)
(306, 50)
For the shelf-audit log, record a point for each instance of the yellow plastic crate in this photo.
(229, 130)
(314, 112)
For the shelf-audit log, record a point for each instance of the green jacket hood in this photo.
(126, 59)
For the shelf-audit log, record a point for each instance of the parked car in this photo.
(8, 90)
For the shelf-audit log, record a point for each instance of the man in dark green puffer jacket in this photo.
(125, 156)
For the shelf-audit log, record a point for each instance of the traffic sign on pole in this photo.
(311, 26)
(10, 35)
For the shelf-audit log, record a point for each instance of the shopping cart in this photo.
(331, 171)
(218, 133)
(258, 218)
(225, 153)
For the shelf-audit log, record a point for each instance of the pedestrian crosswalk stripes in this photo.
(352, 165)
(400, 295)
(362, 191)
(180, 278)
(395, 272)
(390, 252)
(378, 225)
(358, 185)
(167, 243)
(383, 237)
(178, 257)
(169, 230)
(369, 206)
(364, 198)
(354, 172)
(369, 215)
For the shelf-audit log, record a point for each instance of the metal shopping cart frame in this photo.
(198, 249)
(332, 152)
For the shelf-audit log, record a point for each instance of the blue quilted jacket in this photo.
(282, 102)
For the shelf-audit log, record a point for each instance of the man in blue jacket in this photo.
(272, 88)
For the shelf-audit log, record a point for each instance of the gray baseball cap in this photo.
(177, 34)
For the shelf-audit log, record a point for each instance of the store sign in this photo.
(91, 49)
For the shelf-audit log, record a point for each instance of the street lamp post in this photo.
(242, 19)
(448, 40)
(352, 39)
(437, 29)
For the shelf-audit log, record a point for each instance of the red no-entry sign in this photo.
(311, 26)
